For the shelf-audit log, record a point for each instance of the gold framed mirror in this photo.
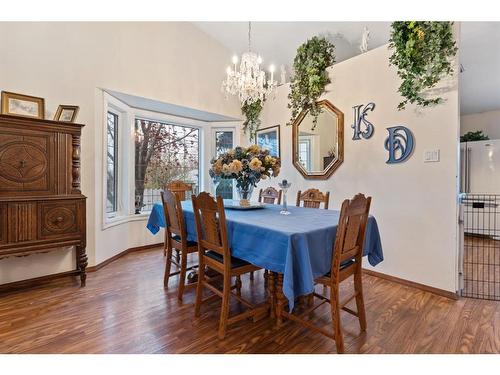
(318, 150)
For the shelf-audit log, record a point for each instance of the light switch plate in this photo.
(431, 156)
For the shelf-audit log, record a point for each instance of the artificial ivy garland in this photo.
(251, 111)
(310, 76)
(422, 53)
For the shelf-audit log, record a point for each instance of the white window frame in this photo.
(171, 120)
(213, 147)
(126, 156)
(113, 105)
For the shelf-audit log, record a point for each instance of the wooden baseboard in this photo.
(28, 283)
(426, 288)
(124, 252)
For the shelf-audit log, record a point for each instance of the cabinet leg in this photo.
(81, 257)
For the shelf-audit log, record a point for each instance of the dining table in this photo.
(298, 246)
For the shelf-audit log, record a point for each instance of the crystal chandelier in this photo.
(249, 83)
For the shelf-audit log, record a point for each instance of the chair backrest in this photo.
(312, 198)
(270, 195)
(174, 218)
(351, 231)
(180, 188)
(210, 220)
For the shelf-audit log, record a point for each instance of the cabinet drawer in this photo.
(59, 219)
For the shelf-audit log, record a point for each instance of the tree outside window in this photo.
(163, 153)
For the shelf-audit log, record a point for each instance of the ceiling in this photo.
(277, 43)
(480, 57)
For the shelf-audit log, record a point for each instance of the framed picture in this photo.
(22, 105)
(269, 139)
(66, 113)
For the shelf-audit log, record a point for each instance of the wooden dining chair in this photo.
(346, 262)
(313, 198)
(214, 252)
(270, 195)
(180, 188)
(176, 238)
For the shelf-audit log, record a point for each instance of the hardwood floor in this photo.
(124, 309)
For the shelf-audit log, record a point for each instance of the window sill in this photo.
(118, 220)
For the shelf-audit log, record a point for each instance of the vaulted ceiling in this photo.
(277, 43)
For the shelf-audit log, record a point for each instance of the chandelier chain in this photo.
(249, 36)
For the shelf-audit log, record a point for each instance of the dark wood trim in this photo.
(425, 288)
(122, 253)
(29, 283)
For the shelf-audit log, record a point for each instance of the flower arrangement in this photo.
(247, 166)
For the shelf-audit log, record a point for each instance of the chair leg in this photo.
(224, 314)
(238, 285)
(168, 265)
(337, 329)
(177, 256)
(182, 275)
(199, 286)
(360, 303)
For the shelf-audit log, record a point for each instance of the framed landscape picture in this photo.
(269, 139)
(22, 105)
(66, 113)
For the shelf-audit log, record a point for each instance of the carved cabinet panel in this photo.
(26, 163)
(41, 206)
(59, 219)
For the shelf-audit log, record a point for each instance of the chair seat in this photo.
(189, 243)
(235, 262)
(343, 265)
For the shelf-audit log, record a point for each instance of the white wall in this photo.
(414, 202)
(488, 122)
(68, 63)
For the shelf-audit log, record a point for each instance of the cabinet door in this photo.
(59, 219)
(26, 162)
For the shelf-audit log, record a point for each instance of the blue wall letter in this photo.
(360, 117)
(399, 143)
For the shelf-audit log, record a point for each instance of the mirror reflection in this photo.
(319, 147)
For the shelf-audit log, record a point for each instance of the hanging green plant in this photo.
(422, 54)
(252, 112)
(310, 76)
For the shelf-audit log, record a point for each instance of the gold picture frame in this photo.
(66, 113)
(14, 104)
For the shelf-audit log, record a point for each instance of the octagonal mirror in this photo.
(318, 149)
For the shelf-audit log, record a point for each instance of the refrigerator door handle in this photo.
(468, 168)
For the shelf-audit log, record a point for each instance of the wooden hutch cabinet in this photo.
(41, 205)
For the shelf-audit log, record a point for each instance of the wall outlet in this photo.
(431, 156)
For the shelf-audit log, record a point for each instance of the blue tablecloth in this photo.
(298, 245)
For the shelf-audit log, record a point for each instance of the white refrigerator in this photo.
(480, 181)
(480, 167)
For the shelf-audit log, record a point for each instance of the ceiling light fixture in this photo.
(249, 82)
